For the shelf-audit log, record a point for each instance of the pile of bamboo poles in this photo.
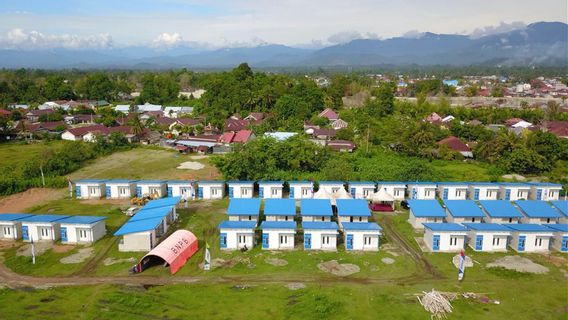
(437, 303)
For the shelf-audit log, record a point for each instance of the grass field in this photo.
(15, 155)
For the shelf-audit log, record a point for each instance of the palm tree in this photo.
(137, 125)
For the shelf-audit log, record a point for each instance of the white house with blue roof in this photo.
(243, 209)
(484, 190)
(312, 210)
(425, 211)
(545, 191)
(331, 187)
(181, 188)
(560, 239)
(444, 237)
(280, 209)
(320, 235)
(460, 211)
(514, 191)
(120, 189)
(90, 189)
(43, 227)
(361, 189)
(361, 236)
(235, 235)
(241, 189)
(453, 190)
(562, 207)
(278, 235)
(210, 189)
(82, 229)
(151, 188)
(538, 212)
(352, 210)
(140, 235)
(270, 189)
(301, 189)
(487, 237)
(397, 189)
(530, 237)
(500, 211)
(11, 225)
(422, 190)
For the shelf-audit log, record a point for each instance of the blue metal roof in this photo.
(354, 183)
(545, 184)
(278, 225)
(537, 209)
(185, 182)
(151, 181)
(319, 226)
(237, 224)
(172, 201)
(500, 209)
(117, 181)
(211, 182)
(280, 207)
(315, 207)
(444, 227)
(452, 183)
(13, 216)
(426, 208)
(353, 207)
(240, 182)
(363, 226)
(522, 227)
(300, 182)
(421, 182)
(486, 227)
(244, 207)
(151, 213)
(562, 206)
(138, 226)
(463, 208)
(485, 184)
(260, 183)
(90, 181)
(82, 219)
(515, 184)
(391, 182)
(44, 218)
(330, 182)
(562, 227)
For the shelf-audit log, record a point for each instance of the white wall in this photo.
(548, 193)
(243, 218)
(274, 239)
(316, 218)
(269, 189)
(445, 240)
(539, 220)
(240, 190)
(114, 194)
(450, 218)
(14, 230)
(233, 238)
(177, 190)
(454, 192)
(397, 191)
(97, 188)
(279, 218)
(317, 239)
(141, 241)
(530, 241)
(485, 193)
(331, 187)
(298, 190)
(35, 233)
(362, 191)
(487, 243)
(94, 232)
(417, 222)
(422, 192)
(162, 190)
(342, 219)
(516, 193)
(359, 242)
(208, 194)
(69, 136)
(556, 241)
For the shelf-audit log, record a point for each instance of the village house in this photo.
(361, 189)
(278, 235)
(562, 207)
(537, 212)
(120, 189)
(244, 209)
(235, 124)
(148, 107)
(241, 136)
(124, 108)
(544, 191)
(361, 236)
(301, 189)
(316, 210)
(514, 191)
(530, 237)
(487, 237)
(453, 190)
(322, 134)
(86, 134)
(339, 124)
(425, 211)
(34, 115)
(352, 210)
(331, 187)
(5, 113)
(151, 188)
(320, 235)
(329, 115)
(90, 189)
(82, 229)
(433, 118)
(444, 237)
(557, 128)
(176, 112)
(11, 225)
(241, 189)
(181, 188)
(422, 190)
(44, 227)
(484, 191)
(500, 211)
(457, 145)
(255, 117)
(236, 235)
(397, 189)
(208, 190)
(199, 141)
(341, 145)
(559, 241)
(140, 235)
(280, 209)
(270, 189)
(460, 211)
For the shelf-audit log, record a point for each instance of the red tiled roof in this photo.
(257, 116)
(329, 114)
(227, 137)
(513, 121)
(81, 131)
(558, 128)
(324, 132)
(188, 121)
(164, 121)
(455, 144)
(235, 125)
(4, 112)
(122, 129)
(51, 125)
(341, 145)
(40, 112)
(242, 136)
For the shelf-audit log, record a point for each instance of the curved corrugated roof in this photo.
(175, 249)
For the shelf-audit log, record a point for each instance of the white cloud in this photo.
(167, 40)
(344, 37)
(501, 28)
(413, 34)
(21, 39)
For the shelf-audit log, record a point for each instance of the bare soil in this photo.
(457, 259)
(519, 264)
(40, 248)
(276, 262)
(19, 202)
(81, 256)
(338, 269)
(387, 260)
(58, 248)
(191, 165)
(110, 261)
(118, 202)
(295, 286)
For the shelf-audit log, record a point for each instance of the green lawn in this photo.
(15, 155)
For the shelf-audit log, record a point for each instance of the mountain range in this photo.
(541, 43)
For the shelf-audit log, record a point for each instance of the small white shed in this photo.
(530, 237)
(301, 189)
(361, 189)
(500, 211)
(82, 229)
(120, 189)
(422, 190)
(361, 236)
(484, 191)
(244, 209)
(43, 227)
(280, 209)
(278, 235)
(151, 188)
(352, 210)
(560, 239)
(181, 188)
(241, 189)
(234, 235)
(312, 210)
(320, 235)
(11, 225)
(270, 189)
(513, 191)
(210, 190)
(453, 190)
(90, 189)
(460, 211)
(536, 211)
(141, 235)
(425, 211)
(545, 191)
(487, 237)
(444, 237)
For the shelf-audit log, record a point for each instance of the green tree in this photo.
(57, 88)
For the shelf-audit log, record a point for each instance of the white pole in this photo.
(33, 250)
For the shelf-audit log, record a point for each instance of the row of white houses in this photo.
(94, 189)
(46, 227)
(279, 230)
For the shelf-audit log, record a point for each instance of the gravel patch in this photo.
(295, 286)
(518, 264)
(111, 261)
(387, 260)
(338, 269)
(191, 165)
(276, 262)
(457, 258)
(81, 256)
(40, 248)
(514, 176)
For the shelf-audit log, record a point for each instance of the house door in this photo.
(223, 240)
(445, 194)
(353, 192)
(200, 192)
(349, 242)
(231, 191)
(539, 194)
(564, 247)
(476, 194)
(139, 192)
(265, 240)
(414, 192)
(151, 242)
(170, 192)
(291, 194)
(307, 241)
(63, 234)
(508, 194)
(25, 234)
(78, 191)
(436, 242)
(107, 191)
(261, 192)
(521, 245)
(479, 242)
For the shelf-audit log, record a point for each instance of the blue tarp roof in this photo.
(13, 216)
(537, 209)
(138, 226)
(244, 207)
(562, 227)
(364, 226)
(280, 136)
(426, 208)
(237, 224)
(43, 218)
(81, 219)
(500, 209)
(315, 207)
(486, 227)
(463, 208)
(562, 206)
(353, 207)
(280, 207)
(319, 225)
(527, 227)
(444, 226)
(172, 201)
(278, 225)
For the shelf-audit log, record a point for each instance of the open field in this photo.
(15, 155)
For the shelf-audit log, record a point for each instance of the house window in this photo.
(93, 190)
(82, 234)
(496, 241)
(368, 191)
(274, 191)
(519, 193)
(334, 190)
(538, 242)
(250, 218)
(7, 231)
(122, 191)
(459, 193)
(548, 220)
(285, 218)
(44, 232)
(510, 220)
(215, 191)
(245, 191)
(367, 240)
(184, 191)
(306, 191)
(154, 190)
(283, 239)
(325, 240)
(322, 218)
(472, 219)
(360, 219)
(396, 192)
(427, 192)
(453, 241)
(242, 239)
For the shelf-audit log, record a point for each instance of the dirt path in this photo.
(19, 202)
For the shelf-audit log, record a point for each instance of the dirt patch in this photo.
(335, 268)
(514, 177)
(7, 244)
(118, 202)
(387, 260)
(222, 263)
(422, 244)
(40, 248)
(110, 261)
(276, 262)
(295, 286)
(191, 165)
(81, 256)
(19, 202)
(557, 261)
(57, 248)
(518, 264)
(198, 157)
(457, 259)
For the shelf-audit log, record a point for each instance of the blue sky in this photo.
(226, 23)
